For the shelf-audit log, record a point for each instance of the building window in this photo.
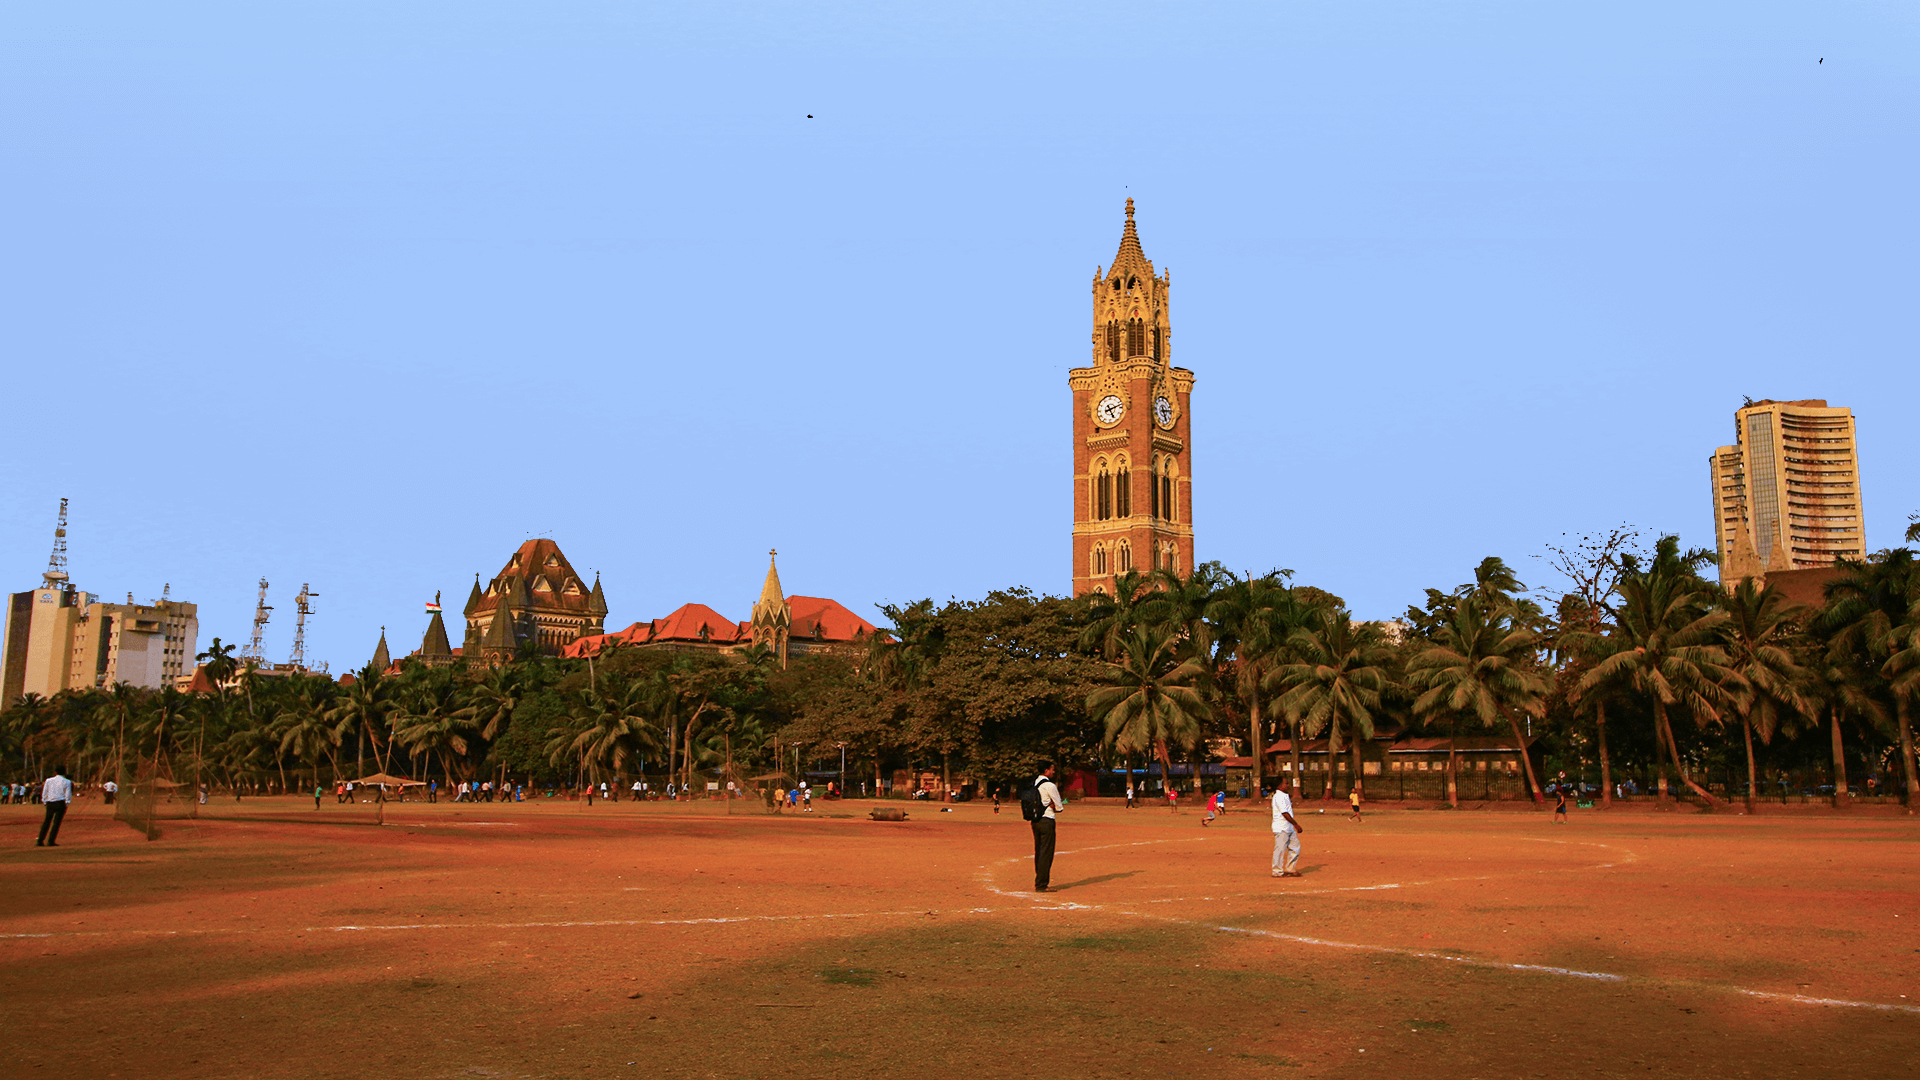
(1136, 338)
(1099, 561)
(1113, 339)
(1153, 487)
(1123, 491)
(1103, 494)
(1166, 494)
(1126, 556)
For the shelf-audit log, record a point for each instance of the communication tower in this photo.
(303, 607)
(56, 575)
(255, 651)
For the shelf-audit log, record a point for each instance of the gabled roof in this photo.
(539, 559)
(687, 622)
(821, 619)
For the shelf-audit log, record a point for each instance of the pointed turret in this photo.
(597, 601)
(473, 598)
(772, 617)
(500, 641)
(1130, 258)
(435, 649)
(381, 661)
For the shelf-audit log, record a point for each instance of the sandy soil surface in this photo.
(557, 940)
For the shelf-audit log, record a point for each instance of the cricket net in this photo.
(149, 795)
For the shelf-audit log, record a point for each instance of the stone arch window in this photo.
(1136, 337)
(1168, 487)
(1126, 556)
(1159, 340)
(1113, 339)
(1099, 559)
(1153, 487)
(1103, 493)
(1122, 490)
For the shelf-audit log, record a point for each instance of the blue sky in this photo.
(366, 294)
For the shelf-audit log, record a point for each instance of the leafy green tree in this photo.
(369, 707)
(1478, 669)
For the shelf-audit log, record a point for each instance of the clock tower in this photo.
(1132, 444)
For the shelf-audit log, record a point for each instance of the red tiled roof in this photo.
(687, 620)
(1469, 744)
(827, 620)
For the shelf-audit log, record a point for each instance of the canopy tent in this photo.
(383, 780)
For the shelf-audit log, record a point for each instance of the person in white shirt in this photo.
(111, 788)
(1286, 835)
(1043, 827)
(55, 794)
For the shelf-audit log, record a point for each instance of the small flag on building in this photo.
(433, 607)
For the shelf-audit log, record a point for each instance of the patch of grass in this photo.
(1429, 1025)
(849, 976)
(1113, 942)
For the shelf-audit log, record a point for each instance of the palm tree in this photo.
(220, 664)
(1480, 668)
(1669, 652)
(1338, 676)
(1150, 701)
(307, 734)
(1756, 636)
(1255, 617)
(368, 707)
(1111, 619)
(1902, 672)
(1870, 613)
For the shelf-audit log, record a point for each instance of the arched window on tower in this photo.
(1136, 338)
(1123, 491)
(1113, 340)
(1099, 560)
(1168, 488)
(1153, 487)
(1103, 495)
(1126, 556)
(1158, 334)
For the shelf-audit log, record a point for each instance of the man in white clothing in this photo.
(1286, 835)
(55, 793)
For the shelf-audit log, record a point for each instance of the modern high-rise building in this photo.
(1132, 433)
(1786, 495)
(63, 639)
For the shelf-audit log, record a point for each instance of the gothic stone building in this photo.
(1132, 439)
(536, 602)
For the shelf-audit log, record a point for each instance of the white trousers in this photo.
(1286, 850)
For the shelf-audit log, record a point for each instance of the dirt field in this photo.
(554, 940)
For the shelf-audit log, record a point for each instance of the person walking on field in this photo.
(1047, 796)
(54, 795)
(1560, 805)
(1353, 801)
(1129, 794)
(1286, 835)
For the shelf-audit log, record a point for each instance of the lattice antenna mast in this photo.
(56, 575)
(255, 650)
(302, 607)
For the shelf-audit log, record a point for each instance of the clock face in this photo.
(1110, 409)
(1163, 412)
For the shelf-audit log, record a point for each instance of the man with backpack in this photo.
(1038, 804)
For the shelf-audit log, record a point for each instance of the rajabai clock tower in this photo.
(1132, 439)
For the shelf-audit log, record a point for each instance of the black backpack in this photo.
(1031, 808)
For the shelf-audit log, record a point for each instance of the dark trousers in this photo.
(50, 825)
(1042, 852)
